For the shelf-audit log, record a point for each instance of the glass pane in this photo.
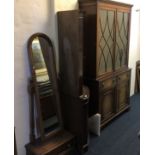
(39, 63)
(45, 88)
(121, 39)
(105, 37)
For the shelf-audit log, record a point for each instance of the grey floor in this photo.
(120, 137)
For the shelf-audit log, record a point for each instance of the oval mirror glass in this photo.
(41, 54)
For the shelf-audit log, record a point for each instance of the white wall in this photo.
(40, 16)
(61, 5)
(30, 17)
(134, 50)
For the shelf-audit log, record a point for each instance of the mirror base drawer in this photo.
(58, 144)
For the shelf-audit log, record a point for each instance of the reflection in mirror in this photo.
(39, 63)
(45, 82)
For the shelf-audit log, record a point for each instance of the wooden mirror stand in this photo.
(47, 135)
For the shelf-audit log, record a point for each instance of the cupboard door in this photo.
(107, 104)
(70, 31)
(123, 91)
(105, 40)
(107, 98)
(122, 39)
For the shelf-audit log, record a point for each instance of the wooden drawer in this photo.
(67, 149)
(123, 90)
(107, 84)
(124, 76)
(60, 144)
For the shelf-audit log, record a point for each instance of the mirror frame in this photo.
(49, 58)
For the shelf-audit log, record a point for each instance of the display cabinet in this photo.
(106, 51)
(106, 36)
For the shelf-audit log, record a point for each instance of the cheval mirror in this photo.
(45, 105)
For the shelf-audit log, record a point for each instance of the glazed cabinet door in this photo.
(123, 91)
(105, 39)
(122, 38)
(107, 106)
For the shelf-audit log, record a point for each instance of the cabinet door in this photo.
(105, 39)
(70, 31)
(107, 99)
(122, 39)
(123, 91)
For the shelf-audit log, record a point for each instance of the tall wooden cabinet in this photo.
(74, 94)
(94, 44)
(106, 51)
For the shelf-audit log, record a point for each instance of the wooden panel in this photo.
(89, 8)
(90, 11)
(55, 145)
(124, 9)
(114, 4)
(123, 77)
(101, 5)
(108, 83)
(107, 104)
(74, 109)
(70, 31)
(90, 45)
(75, 116)
(68, 151)
(123, 90)
(123, 95)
